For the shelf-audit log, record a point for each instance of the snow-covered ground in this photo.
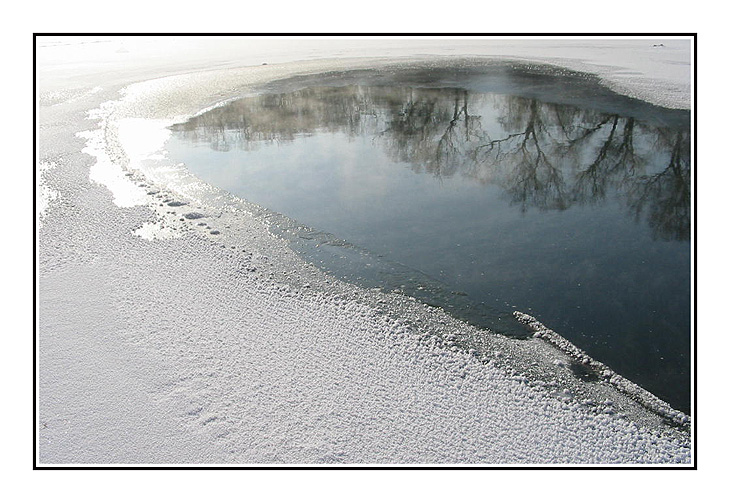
(162, 343)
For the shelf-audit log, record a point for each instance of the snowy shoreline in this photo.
(301, 368)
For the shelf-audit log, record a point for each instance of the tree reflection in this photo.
(543, 155)
(665, 196)
(523, 157)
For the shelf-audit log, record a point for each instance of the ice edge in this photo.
(625, 386)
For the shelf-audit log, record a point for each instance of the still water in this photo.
(481, 191)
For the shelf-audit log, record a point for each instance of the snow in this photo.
(108, 173)
(45, 194)
(657, 70)
(189, 334)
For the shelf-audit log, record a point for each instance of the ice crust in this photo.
(209, 341)
(601, 370)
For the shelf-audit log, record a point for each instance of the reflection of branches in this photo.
(447, 149)
(432, 131)
(531, 178)
(666, 195)
(543, 155)
(588, 132)
(592, 182)
(538, 180)
(411, 129)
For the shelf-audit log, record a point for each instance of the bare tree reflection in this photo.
(543, 155)
(665, 196)
(529, 175)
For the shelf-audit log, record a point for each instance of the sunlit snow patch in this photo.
(109, 174)
(143, 140)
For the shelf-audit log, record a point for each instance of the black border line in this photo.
(692, 35)
(35, 256)
(694, 195)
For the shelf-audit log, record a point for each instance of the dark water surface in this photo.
(481, 191)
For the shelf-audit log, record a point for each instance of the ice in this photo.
(586, 364)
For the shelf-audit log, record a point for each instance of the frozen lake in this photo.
(482, 192)
(179, 323)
